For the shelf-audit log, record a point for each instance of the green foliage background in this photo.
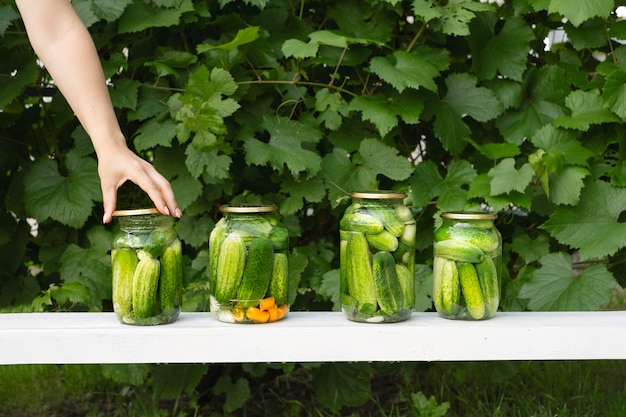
(459, 103)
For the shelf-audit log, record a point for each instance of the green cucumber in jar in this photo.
(484, 238)
(359, 270)
(171, 282)
(257, 273)
(471, 290)
(388, 290)
(360, 221)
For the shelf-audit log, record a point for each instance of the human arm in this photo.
(66, 48)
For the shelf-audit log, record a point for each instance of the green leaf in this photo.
(299, 49)
(173, 380)
(587, 109)
(614, 94)
(531, 249)
(380, 159)
(109, 10)
(299, 191)
(12, 86)
(125, 93)
(237, 393)
(562, 144)
(71, 292)
(403, 70)
(337, 385)
(68, 198)
(213, 165)
(90, 267)
(243, 37)
(427, 184)
(496, 150)
(127, 374)
(504, 52)
(330, 288)
(194, 230)
(556, 286)
(140, 15)
(506, 178)
(451, 18)
(578, 12)
(7, 16)
(566, 185)
(466, 98)
(385, 112)
(593, 225)
(463, 98)
(155, 132)
(285, 147)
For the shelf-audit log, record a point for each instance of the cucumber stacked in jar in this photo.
(466, 266)
(147, 268)
(377, 254)
(248, 266)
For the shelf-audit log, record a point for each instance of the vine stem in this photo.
(416, 37)
(296, 83)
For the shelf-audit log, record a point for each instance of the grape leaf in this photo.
(330, 288)
(299, 49)
(481, 188)
(556, 286)
(243, 36)
(7, 16)
(155, 132)
(463, 98)
(593, 225)
(427, 184)
(566, 185)
(503, 52)
(90, 267)
(285, 147)
(531, 249)
(343, 177)
(212, 164)
(453, 17)
(173, 380)
(384, 112)
(495, 150)
(506, 178)
(614, 93)
(587, 109)
(68, 198)
(578, 12)
(299, 190)
(140, 15)
(125, 93)
(109, 10)
(404, 70)
(237, 393)
(342, 384)
(563, 143)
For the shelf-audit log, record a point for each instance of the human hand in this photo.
(115, 168)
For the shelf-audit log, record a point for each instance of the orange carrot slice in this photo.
(274, 313)
(257, 315)
(267, 303)
(282, 311)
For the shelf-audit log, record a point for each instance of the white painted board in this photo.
(70, 338)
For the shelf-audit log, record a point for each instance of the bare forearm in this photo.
(65, 47)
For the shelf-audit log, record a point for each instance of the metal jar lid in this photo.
(245, 208)
(468, 215)
(135, 212)
(378, 194)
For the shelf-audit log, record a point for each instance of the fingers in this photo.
(144, 175)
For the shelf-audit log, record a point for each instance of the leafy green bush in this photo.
(460, 103)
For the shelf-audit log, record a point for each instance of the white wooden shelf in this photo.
(72, 338)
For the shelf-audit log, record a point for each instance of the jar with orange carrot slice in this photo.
(248, 265)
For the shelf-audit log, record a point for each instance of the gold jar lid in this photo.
(468, 215)
(245, 208)
(378, 194)
(135, 212)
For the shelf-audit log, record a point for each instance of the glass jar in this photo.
(248, 265)
(146, 258)
(466, 266)
(377, 258)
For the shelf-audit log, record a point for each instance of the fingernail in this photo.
(166, 210)
(179, 213)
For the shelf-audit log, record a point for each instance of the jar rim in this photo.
(468, 215)
(378, 194)
(135, 212)
(248, 208)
